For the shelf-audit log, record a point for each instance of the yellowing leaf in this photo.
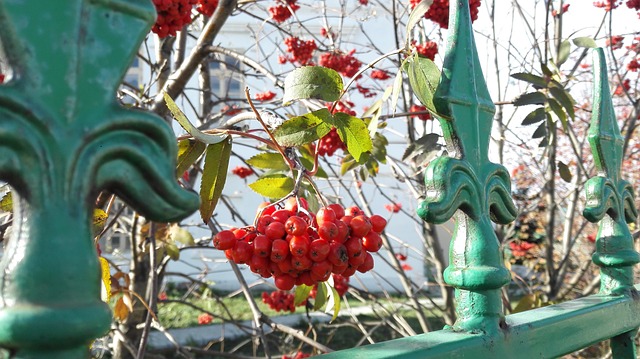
(99, 220)
(181, 235)
(6, 203)
(188, 152)
(105, 273)
(214, 176)
(301, 294)
(268, 160)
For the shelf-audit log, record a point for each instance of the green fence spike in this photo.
(610, 202)
(467, 185)
(63, 138)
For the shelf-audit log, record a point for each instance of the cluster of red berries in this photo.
(633, 65)
(330, 143)
(439, 11)
(346, 64)
(520, 248)
(365, 91)
(380, 75)
(615, 41)
(607, 5)
(393, 207)
(297, 355)
(344, 106)
(298, 247)
(280, 301)
(205, 318)
(301, 51)
(207, 7)
(633, 4)
(265, 96)
(280, 13)
(172, 16)
(420, 108)
(620, 89)
(242, 172)
(427, 49)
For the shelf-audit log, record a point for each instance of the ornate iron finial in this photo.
(610, 199)
(63, 138)
(468, 184)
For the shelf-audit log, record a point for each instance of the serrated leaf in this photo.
(321, 296)
(191, 129)
(416, 15)
(565, 99)
(424, 77)
(214, 176)
(333, 305)
(426, 143)
(188, 152)
(312, 82)
(531, 98)
(273, 187)
(585, 42)
(563, 52)
(354, 133)
(541, 131)
(564, 171)
(535, 80)
(534, 116)
(6, 203)
(99, 220)
(268, 160)
(172, 251)
(181, 235)
(304, 129)
(301, 294)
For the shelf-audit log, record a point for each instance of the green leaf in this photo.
(188, 152)
(564, 171)
(379, 151)
(321, 296)
(585, 42)
(6, 203)
(416, 15)
(348, 163)
(268, 160)
(301, 130)
(565, 99)
(273, 187)
(425, 144)
(534, 116)
(557, 109)
(354, 133)
(563, 52)
(531, 98)
(333, 305)
(424, 77)
(181, 235)
(312, 82)
(397, 85)
(301, 294)
(191, 129)
(172, 251)
(535, 80)
(541, 131)
(214, 176)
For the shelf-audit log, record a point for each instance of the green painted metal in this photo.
(63, 138)
(467, 185)
(547, 332)
(610, 202)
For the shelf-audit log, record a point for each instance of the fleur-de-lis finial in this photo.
(610, 200)
(63, 138)
(467, 184)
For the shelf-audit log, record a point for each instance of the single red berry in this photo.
(296, 226)
(242, 252)
(275, 230)
(360, 226)
(224, 240)
(325, 214)
(279, 250)
(354, 246)
(372, 242)
(328, 231)
(337, 209)
(338, 254)
(299, 245)
(262, 246)
(301, 263)
(281, 215)
(321, 271)
(319, 250)
(284, 282)
(367, 264)
(263, 222)
(378, 223)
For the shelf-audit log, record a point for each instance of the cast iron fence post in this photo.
(63, 138)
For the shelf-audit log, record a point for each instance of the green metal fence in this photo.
(63, 137)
